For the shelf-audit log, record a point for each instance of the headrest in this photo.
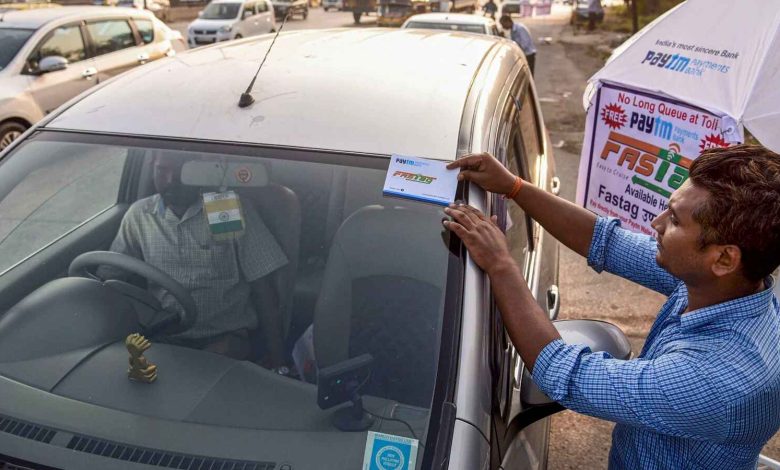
(227, 174)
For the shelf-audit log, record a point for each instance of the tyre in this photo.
(9, 131)
(238, 36)
(356, 16)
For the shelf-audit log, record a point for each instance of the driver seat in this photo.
(379, 297)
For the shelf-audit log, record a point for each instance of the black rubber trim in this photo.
(19, 464)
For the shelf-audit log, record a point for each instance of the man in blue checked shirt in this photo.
(705, 391)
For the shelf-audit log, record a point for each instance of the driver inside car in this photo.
(230, 280)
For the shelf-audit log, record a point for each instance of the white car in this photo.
(50, 55)
(335, 4)
(453, 22)
(223, 20)
(414, 369)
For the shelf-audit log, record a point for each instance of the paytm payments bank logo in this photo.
(404, 161)
(673, 62)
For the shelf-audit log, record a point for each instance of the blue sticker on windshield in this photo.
(388, 452)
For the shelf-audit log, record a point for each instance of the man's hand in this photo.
(484, 240)
(486, 171)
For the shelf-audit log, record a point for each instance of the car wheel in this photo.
(9, 131)
(356, 16)
(238, 36)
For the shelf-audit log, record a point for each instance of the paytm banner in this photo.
(638, 149)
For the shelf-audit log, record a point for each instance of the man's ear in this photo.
(729, 259)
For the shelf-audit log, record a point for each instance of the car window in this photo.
(354, 272)
(249, 9)
(262, 7)
(221, 11)
(468, 28)
(517, 222)
(529, 133)
(111, 36)
(11, 40)
(146, 30)
(44, 198)
(65, 41)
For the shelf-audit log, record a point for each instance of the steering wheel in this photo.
(78, 268)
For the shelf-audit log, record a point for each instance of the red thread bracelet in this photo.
(515, 188)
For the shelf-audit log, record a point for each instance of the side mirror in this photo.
(52, 63)
(597, 335)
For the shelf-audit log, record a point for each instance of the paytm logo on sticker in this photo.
(389, 452)
(406, 161)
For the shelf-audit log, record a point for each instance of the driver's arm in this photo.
(267, 304)
(126, 242)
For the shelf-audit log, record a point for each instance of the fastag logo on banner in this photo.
(638, 149)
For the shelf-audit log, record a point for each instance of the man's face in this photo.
(506, 25)
(167, 182)
(678, 236)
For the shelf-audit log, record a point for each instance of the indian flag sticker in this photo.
(223, 211)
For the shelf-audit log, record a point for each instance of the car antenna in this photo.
(246, 97)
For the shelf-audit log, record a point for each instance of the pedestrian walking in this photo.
(520, 34)
(490, 9)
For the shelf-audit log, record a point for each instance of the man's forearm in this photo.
(569, 223)
(530, 329)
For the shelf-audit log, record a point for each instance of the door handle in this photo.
(88, 73)
(143, 58)
(553, 301)
(556, 185)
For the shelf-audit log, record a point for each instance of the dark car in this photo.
(283, 8)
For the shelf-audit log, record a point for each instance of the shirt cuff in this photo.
(597, 253)
(554, 366)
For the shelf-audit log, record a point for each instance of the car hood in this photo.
(202, 23)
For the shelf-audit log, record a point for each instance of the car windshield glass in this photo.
(221, 11)
(468, 28)
(11, 40)
(303, 287)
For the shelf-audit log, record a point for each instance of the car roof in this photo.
(457, 18)
(354, 90)
(37, 17)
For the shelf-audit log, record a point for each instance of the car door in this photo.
(152, 46)
(265, 17)
(115, 46)
(248, 24)
(515, 445)
(52, 89)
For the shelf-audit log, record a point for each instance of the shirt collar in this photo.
(730, 311)
(158, 208)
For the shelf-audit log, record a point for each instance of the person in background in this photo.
(594, 11)
(490, 9)
(519, 34)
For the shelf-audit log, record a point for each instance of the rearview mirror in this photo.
(597, 335)
(52, 63)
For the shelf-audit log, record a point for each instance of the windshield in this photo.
(468, 28)
(294, 260)
(11, 40)
(221, 11)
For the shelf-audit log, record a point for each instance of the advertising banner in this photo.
(638, 149)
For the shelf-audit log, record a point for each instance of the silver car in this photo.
(403, 361)
(48, 56)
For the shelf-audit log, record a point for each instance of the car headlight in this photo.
(226, 28)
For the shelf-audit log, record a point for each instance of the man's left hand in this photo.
(483, 238)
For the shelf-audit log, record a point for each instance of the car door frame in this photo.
(511, 435)
(137, 49)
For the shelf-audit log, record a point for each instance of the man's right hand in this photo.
(486, 171)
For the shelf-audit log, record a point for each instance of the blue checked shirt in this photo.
(705, 391)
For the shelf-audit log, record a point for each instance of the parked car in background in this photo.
(335, 4)
(403, 325)
(160, 8)
(283, 8)
(454, 22)
(223, 20)
(48, 56)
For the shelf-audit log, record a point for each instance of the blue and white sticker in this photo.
(388, 452)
